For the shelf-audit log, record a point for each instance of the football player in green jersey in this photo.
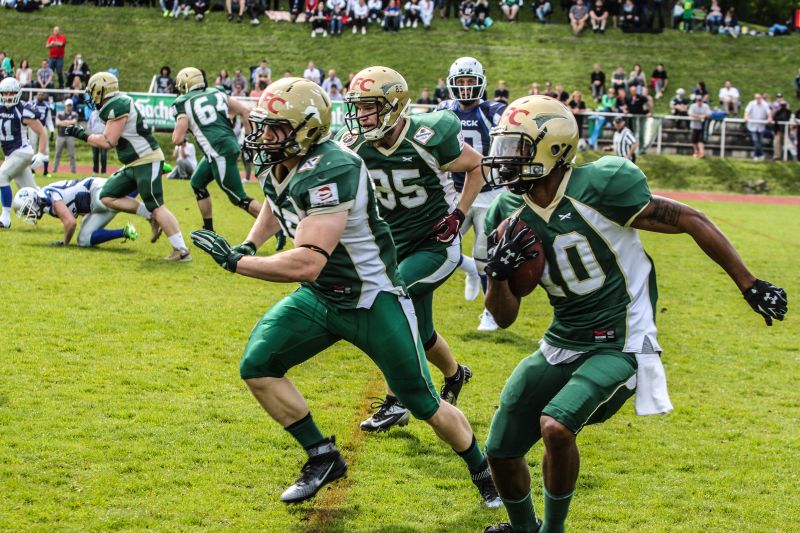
(320, 194)
(409, 158)
(601, 284)
(139, 151)
(207, 112)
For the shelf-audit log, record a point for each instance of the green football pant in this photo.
(303, 324)
(225, 172)
(586, 391)
(146, 178)
(423, 271)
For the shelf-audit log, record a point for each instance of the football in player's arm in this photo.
(603, 327)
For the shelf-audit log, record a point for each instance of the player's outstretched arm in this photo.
(663, 215)
(66, 218)
(237, 107)
(265, 226)
(469, 162)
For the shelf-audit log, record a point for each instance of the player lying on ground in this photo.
(345, 260)
(408, 158)
(68, 200)
(601, 284)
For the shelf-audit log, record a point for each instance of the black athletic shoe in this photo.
(325, 464)
(483, 480)
(452, 386)
(390, 412)
(505, 527)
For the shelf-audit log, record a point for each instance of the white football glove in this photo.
(38, 160)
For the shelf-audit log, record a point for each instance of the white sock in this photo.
(177, 241)
(5, 218)
(143, 212)
(468, 265)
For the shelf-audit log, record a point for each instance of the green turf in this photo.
(121, 406)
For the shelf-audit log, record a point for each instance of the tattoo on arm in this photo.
(665, 212)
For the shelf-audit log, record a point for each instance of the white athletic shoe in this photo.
(487, 322)
(472, 287)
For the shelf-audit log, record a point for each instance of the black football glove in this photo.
(246, 248)
(76, 131)
(447, 228)
(767, 300)
(217, 247)
(280, 241)
(507, 254)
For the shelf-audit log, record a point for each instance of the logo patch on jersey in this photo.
(423, 135)
(324, 195)
(407, 159)
(310, 164)
(565, 216)
(604, 335)
(348, 139)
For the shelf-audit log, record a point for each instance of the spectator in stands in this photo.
(630, 18)
(622, 101)
(578, 16)
(426, 13)
(185, 161)
(239, 90)
(224, 80)
(441, 93)
(164, 82)
(229, 9)
(68, 117)
(635, 103)
(659, 80)
(780, 113)
(679, 106)
(598, 82)
(796, 82)
(730, 24)
(677, 14)
(700, 90)
(360, 14)
(608, 104)
(24, 74)
(618, 80)
(466, 14)
(481, 18)
(295, 7)
(699, 112)
(548, 89)
(729, 98)
(501, 92)
(658, 11)
(561, 95)
(714, 17)
(757, 114)
(613, 11)
(444, 8)
(599, 17)
(238, 77)
(543, 9)
(6, 64)
(261, 72)
(332, 81)
(510, 9)
(649, 103)
(535, 89)
(391, 17)
(78, 102)
(335, 94)
(310, 7)
(411, 11)
(578, 108)
(336, 12)
(636, 77)
(200, 7)
(425, 97)
(258, 89)
(80, 69)
(688, 15)
(57, 45)
(311, 73)
(319, 25)
(375, 10)
(347, 83)
(624, 143)
(44, 76)
(99, 155)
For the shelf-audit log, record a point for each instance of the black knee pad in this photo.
(427, 345)
(244, 203)
(201, 194)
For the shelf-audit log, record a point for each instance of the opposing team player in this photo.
(408, 158)
(139, 151)
(206, 111)
(19, 156)
(345, 260)
(602, 286)
(68, 200)
(466, 84)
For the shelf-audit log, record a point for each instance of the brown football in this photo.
(527, 276)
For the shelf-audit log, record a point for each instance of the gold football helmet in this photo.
(188, 79)
(535, 135)
(380, 86)
(300, 108)
(101, 86)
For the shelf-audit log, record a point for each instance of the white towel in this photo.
(652, 397)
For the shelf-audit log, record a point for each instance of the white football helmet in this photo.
(466, 67)
(10, 92)
(26, 205)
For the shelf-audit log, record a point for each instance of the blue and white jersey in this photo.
(12, 130)
(76, 195)
(475, 126)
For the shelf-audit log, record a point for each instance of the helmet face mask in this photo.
(265, 153)
(374, 130)
(383, 88)
(11, 92)
(511, 163)
(466, 81)
(26, 205)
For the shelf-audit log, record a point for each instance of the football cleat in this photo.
(325, 464)
(487, 322)
(483, 480)
(129, 232)
(452, 386)
(180, 255)
(156, 230)
(472, 287)
(390, 413)
(505, 527)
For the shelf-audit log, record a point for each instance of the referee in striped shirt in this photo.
(625, 144)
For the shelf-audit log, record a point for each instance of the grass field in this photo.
(121, 406)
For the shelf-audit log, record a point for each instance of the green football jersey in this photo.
(137, 141)
(207, 113)
(329, 179)
(600, 281)
(413, 187)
